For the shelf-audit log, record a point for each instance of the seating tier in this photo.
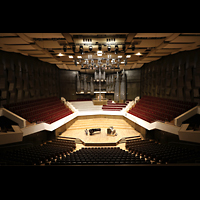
(155, 108)
(46, 110)
(113, 106)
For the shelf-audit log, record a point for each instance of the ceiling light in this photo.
(60, 54)
(79, 56)
(128, 56)
(119, 56)
(70, 56)
(122, 62)
(138, 54)
(99, 53)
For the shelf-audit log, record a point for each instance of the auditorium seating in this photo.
(163, 153)
(113, 106)
(46, 110)
(39, 154)
(151, 108)
(98, 156)
(62, 152)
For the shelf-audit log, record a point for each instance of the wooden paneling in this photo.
(177, 76)
(25, 78)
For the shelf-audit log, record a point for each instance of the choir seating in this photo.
(113, 106)
(46, 110)
(151, 108)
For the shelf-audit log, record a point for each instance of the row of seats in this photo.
(163, 153)
(39, 154)
(46, 110)
(113, 106)
(100, 156)
(62, 152)
(156, 108)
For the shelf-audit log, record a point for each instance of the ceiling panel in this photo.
(48, 44)
(12, 40)
(41, 55)
(152, 34)
(44, 35)
(8, 34)
(149, 43)
(48, 59)
(184, 39)
(21, 46)
(176, 45)
(33, 52)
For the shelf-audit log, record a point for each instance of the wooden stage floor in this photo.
(77, 130)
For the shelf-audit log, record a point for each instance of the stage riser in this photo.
(100, 144)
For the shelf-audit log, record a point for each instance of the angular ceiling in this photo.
(63, 49)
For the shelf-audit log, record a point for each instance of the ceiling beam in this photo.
(25, 38)
(69, 38)
(129, 39)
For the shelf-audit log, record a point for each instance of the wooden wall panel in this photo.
(25, 78)
(177, 76)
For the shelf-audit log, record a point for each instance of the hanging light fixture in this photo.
(81, 49)
(116, 49)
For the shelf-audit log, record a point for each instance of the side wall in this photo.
(26, 78)
(174, 76)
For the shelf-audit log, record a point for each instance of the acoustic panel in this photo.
(26, 78)
(178, 76)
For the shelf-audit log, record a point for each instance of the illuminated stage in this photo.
(123, 129)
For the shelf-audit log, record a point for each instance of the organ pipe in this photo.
(116, 94)
(85, 84)
(78, 83)
(123, 87)
(91, 86)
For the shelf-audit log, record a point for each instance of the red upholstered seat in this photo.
(156, 108)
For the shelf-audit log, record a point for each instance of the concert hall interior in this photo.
(103, 99)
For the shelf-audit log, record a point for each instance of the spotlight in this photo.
(125, 61)
(123, 48)
(90, 48)
(73, 48)
(81, 49)
(116, 49)
(64, 48)
(99, 48)
(109, 48)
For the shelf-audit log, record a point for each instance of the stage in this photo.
(123, 130)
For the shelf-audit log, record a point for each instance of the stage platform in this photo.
(88, 108)
(123, 129)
